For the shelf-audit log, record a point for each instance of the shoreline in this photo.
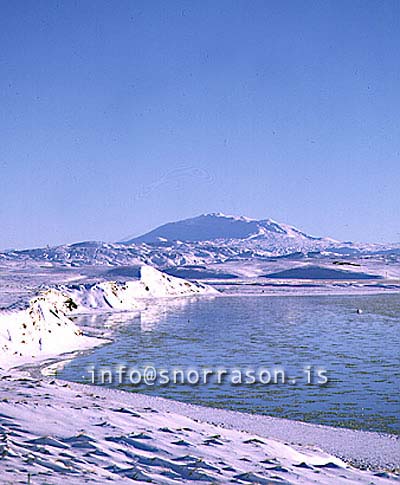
(358, 448)
(301, 288)
(362, 449)
(53, 427)
(54, 430)
(328, 438)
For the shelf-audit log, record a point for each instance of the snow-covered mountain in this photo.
(203, 240)
(217, 226)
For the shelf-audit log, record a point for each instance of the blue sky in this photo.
(116, 117)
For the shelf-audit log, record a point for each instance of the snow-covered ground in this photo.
(53, 431)
(45, 328)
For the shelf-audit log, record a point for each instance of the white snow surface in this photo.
(207, 239)
(45, 327)
(55, 432)
(129, 296)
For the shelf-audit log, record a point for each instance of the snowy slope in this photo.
(217, 226)
(60, 433)
(41, 329)
(45, 328)
(204, 240)
(129, 295)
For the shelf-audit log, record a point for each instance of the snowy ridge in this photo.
(45, 328)
(217, 226)
(41, 329)
(206, 239)
(129, 295)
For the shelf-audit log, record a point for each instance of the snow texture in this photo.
(45, 327)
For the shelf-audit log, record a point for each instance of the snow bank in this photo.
(129, 296)
(41, 329)
(45, 327)
(159, 284)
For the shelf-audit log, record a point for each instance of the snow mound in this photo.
(45, 327)
(129, 296)
(159, 284)
(41, 329)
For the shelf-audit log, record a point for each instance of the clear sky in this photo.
(118, 116)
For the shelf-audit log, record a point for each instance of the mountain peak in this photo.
(221, 215)
(219, 226)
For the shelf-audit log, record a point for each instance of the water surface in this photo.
(360, 353)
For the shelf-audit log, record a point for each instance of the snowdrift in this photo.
(45, 328)
(41, 329)
(129, 296)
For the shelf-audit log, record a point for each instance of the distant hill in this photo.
(320, 273)
(208, 239)
(217, 226)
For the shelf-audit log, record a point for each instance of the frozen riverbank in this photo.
(54, 431)
(43, 326)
